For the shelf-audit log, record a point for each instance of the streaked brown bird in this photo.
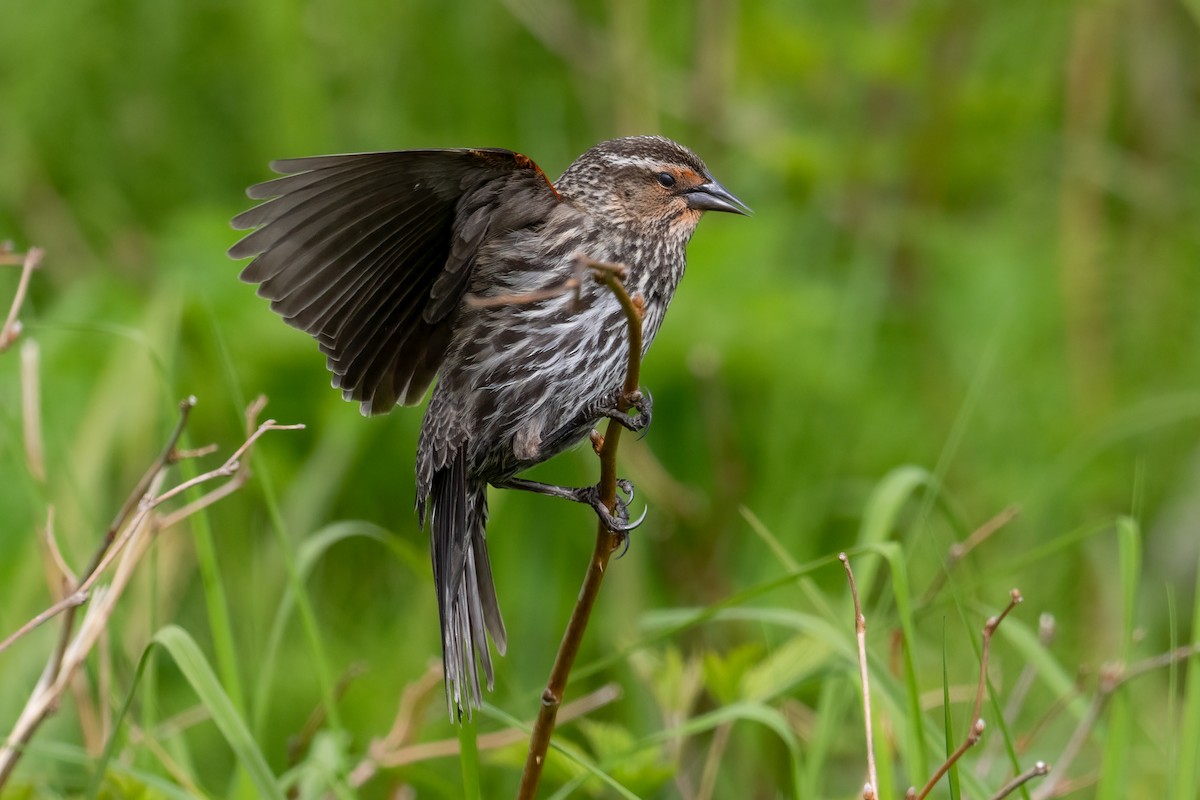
(376, 254)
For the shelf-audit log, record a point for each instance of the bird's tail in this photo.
(462, 576)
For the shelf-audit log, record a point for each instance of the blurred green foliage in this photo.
(974, 250)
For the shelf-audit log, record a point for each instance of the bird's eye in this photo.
(666, 179)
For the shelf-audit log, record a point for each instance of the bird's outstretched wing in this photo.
(371, 253)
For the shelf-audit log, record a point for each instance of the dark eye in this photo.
(666, 179)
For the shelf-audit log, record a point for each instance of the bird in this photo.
(411, 265)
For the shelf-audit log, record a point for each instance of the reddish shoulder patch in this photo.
(525, 162)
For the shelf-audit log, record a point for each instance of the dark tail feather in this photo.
(462, 576)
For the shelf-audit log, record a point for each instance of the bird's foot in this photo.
(616, 520)
(638, 401)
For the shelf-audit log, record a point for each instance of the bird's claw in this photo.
(616, 521)
(638, 401)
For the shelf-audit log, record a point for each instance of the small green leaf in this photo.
(724, 672)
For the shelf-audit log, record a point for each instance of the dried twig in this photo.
(235, 467)
(989, 630)
(716, 750)
(105, 550)
(607, 541)
(31, 411)
(971, 740)
(73, 600)
(12, 326)
(1036, 771)
(959, 550)
(977, 723)
(1016, 697)
(394, 751)
(860, 630)
(1112, 677)
(127, 539)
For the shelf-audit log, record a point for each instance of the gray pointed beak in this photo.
(712, 196)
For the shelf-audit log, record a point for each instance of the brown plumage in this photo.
(373, 254)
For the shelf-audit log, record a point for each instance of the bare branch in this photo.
(1112, 677)
(73, 600)
(1037, 770)
(127, 539)
(989, 630)
(977, 724)
(607, 541)
(971, 740)
(228, 469)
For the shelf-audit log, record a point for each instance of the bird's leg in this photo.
(608, 406)
(617, 521)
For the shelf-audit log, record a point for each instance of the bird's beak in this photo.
(712, 196)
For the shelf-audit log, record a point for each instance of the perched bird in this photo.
(379, 255)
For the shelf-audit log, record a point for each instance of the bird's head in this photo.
(646, 180)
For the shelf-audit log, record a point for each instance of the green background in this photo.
(974, 251)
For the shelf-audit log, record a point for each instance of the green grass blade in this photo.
(1130, 560)
(105, 759)
(1113, 783)
(882, 512)
(948, 721)
(1187, 770)
(468, 758)
(918, 758)
(199, 674)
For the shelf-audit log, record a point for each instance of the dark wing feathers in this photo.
(371, 253)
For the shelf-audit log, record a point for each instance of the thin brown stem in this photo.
(977, 724)
(607, 542)
(1074, 746)
(31, 411)
(1017, 697)
(860, 630)
(12, 326)
(989, 630)
(959, 550)
(99, 560)
(73, 600)
(971, 740)
(708, 776)
(1112, 677)
(1036, 771)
